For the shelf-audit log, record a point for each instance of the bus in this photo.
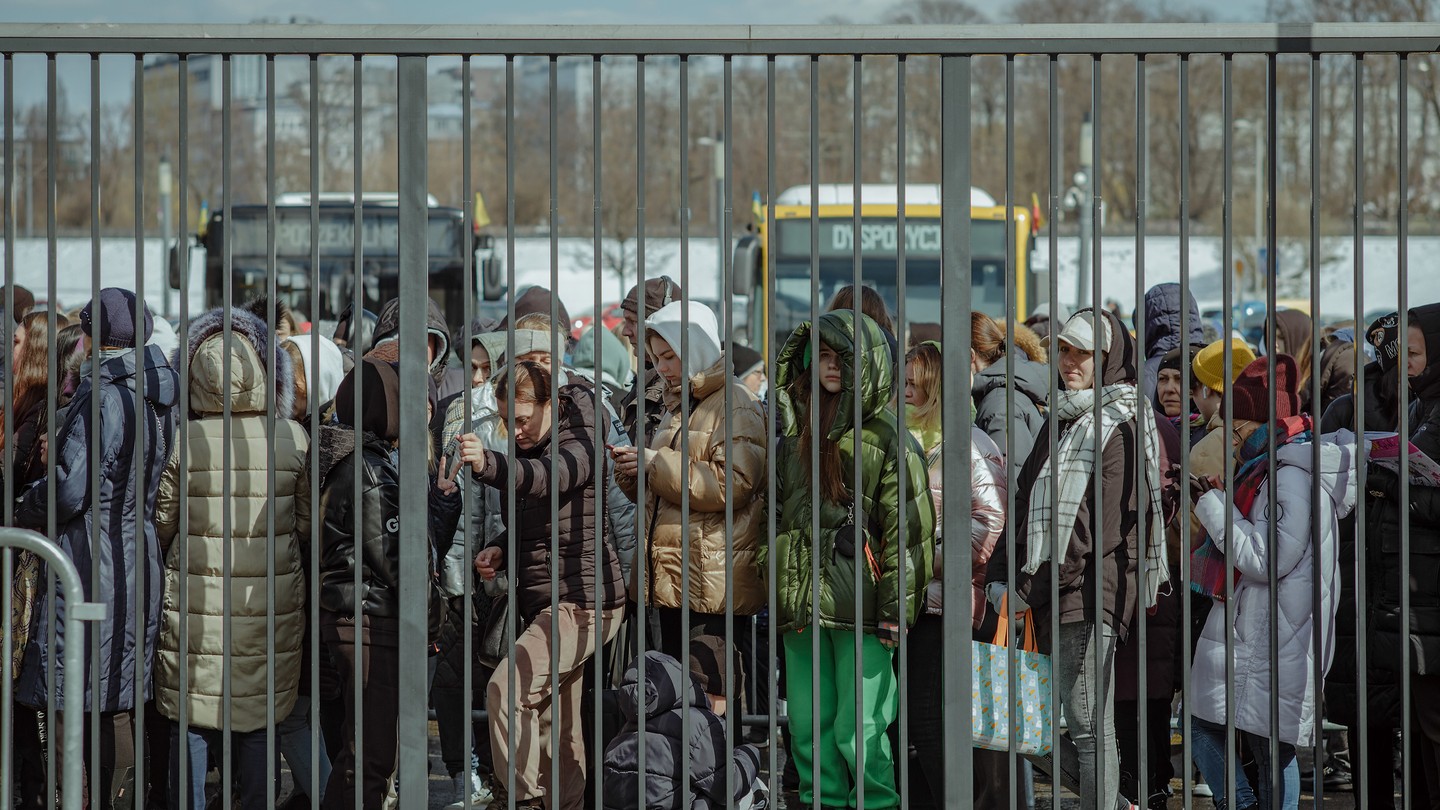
(879, 238)
(246, 234)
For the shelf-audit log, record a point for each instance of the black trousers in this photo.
(1156, 739)
(379, 667)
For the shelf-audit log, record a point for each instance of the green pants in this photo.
(831, 736)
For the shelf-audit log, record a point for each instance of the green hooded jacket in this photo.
(878, 511)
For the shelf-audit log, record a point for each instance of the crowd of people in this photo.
(616, 486)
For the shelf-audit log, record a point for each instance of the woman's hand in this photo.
(627, 461)
(472, 452)
(889, 634)
(487, 562)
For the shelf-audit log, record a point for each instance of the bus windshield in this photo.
(793, 270)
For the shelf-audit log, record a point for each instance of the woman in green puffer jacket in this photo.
(863, 532)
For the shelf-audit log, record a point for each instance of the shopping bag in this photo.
(990, 714)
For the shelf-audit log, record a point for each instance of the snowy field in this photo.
(576, 269)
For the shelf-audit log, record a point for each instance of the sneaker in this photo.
(1200, 790)
(479, 793)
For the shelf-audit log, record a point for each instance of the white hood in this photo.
(703, 333)
(1337, 469)
(322, 377)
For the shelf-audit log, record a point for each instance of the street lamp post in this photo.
(1259, 192)
(166, 182)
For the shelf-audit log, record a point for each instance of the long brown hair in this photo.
(32, 373)
(870, 304)
(832, 473)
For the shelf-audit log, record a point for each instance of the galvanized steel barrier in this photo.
(406, 247)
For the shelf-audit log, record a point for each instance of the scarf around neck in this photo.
(1073, 467)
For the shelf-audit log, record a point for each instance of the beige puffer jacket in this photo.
(708, 499)
(248, 546)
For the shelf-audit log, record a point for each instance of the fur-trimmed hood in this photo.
(256, 362)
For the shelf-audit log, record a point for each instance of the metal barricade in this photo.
(320, 148)
(79, 611)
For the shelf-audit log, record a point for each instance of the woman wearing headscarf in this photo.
(1241, 536)
(720, 472)
(1131, 575)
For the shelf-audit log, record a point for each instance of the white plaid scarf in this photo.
(1119, 403)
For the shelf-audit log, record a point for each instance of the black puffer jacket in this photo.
(575, 409)
(1341, 682)
(379, 541)
(670, 695)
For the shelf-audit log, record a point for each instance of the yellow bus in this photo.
(879, 237)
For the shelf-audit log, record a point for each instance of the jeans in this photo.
(247, 758)
(1085, 687)
(1208, 745)
(294, 734)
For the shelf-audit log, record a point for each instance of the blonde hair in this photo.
(925, 361)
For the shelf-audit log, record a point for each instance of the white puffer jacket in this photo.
(1295, 546)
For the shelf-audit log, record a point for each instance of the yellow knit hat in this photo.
(1210, 363)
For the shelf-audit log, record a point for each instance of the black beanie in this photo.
(109, 319)
(380, 404)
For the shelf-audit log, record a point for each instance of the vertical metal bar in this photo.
(641, 440)
(227, 519)
(94, 448)
(857, 491)
(901, 496)
(767, 336)
(1272, 526)
(139, 600)
(51, 529)
(1227, 215)
(1403, 262)
(1317, 549)
(511, 603)
(1097, 169)
(601, 461)
(1012, 295)
(473, 493)
(733, 707)
(1142, 528)
(685, 372)
(814, 414)
(357, 495)
(1362, 678)
(1186, 376)
(314, 457)
(1052, 424)
(183, 434)
(7, 706)
(955, 179)
(271, 189)
(413, 128)
(557, 718)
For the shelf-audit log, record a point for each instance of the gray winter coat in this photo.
(1032, 389)
(117, 558)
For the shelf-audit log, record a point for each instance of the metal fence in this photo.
(81, 497)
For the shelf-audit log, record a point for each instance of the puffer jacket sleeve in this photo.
(987, 509)
(167, 501)
(706, 477)
(919, 536)
(1248, 547)
(535, 477)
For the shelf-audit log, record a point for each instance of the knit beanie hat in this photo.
(112, 321)
(1252, 393)
(659, 293)
(1384, 334)
(24, 302)
(1178, 355)
(1209, 363)
(380, 403)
